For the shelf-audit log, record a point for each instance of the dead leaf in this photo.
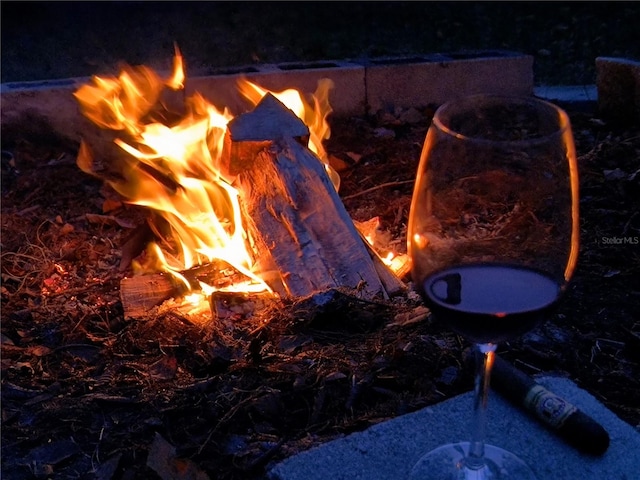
(162, 459)
(108, 220)
(416, 315)
(66, 229)
(107, 469)
(110, 205)
(134, 244)
(354, 156)
(385, 133)
(44, 457)
(289, 343)
(38, 351)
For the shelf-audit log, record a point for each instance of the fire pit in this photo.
(90, 390)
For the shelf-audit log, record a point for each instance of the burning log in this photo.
(141, 293)
(297, 218)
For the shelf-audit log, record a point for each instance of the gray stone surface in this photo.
(567, 93)
(436, 80)
(388, 451)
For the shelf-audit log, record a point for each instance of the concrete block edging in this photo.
(361, 87)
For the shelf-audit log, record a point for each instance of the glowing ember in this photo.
(173, 169)
(381, 243)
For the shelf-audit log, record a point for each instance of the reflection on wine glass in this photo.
(493, 239)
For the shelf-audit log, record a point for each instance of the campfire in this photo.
(243, 202)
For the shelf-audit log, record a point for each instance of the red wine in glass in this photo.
(490, 303)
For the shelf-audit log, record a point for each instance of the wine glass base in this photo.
(448, 463)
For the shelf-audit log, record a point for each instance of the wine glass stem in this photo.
(484, 361)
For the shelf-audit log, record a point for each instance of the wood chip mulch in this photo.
(88, 393)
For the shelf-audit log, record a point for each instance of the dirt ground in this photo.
(90, 394)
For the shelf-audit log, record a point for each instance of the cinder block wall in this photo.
(360, 88)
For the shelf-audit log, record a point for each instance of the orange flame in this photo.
(173, 169)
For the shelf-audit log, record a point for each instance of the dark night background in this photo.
(50, 40)
(87, 392)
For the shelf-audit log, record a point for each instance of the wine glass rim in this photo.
(564, 123)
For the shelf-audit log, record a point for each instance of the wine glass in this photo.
(493, 240)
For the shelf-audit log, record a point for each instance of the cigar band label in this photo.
(547, 406)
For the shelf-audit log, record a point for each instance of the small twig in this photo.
(377, 187)
(626, 225)
(24, 257)
(30, 209)
(73, 345)
(74, 291)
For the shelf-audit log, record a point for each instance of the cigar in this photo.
(574, 426)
